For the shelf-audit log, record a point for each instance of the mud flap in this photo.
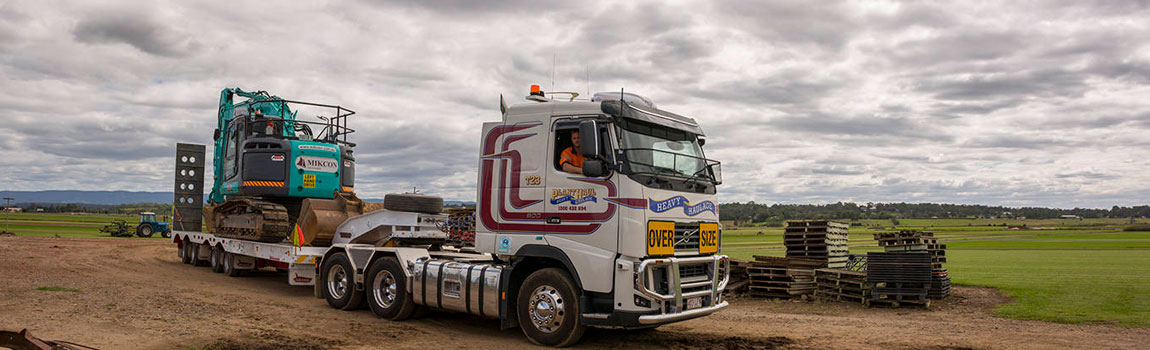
(301, 274)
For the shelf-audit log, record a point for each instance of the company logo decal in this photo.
(680, 201)
(318, 148)
(574, 196)
(504, 245)
(326, 165)
(277, 157)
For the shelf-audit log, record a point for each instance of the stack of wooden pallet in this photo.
(899, 278)
(842, 285)
(817, 239)
(915, 241)
(775, 277)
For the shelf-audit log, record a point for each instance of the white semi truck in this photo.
(631, 242)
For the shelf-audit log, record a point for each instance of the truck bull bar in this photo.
(720, 275)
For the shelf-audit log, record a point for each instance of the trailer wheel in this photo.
(339, 284)
(186, 252)
(548, 309)
(386, 291)
(229, 262)
(180, 252)
(217, 259)
(144, 230)
(411, 202)
(196, 259)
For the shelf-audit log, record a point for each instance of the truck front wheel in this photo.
(386, 291)
(548, 308)
(339, 284)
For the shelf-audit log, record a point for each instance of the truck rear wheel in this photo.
(217, 259)
(386, 291)
(548, 309)
(412, 202)
(339, 284)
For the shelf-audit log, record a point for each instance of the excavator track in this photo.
(251, 219)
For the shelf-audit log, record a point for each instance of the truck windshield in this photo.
(658, 150)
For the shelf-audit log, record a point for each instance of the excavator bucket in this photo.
(319, 218)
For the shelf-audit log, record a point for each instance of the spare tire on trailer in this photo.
(413, 202)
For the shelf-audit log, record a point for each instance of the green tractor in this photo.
(147, 227)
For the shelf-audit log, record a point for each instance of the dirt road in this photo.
(134, 294)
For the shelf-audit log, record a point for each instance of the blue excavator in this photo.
(278, 176)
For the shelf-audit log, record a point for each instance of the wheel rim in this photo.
(226, 260)
(337, 281)
(384, 289)
(147, 230)
(547, 309)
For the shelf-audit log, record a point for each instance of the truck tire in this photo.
(144, 230)
(217, 259)
(186, 255)
(548, 309)
(411, 202)
(196, 258)
(339, 283)
(180, 253)
(230, 269)
(387, 294)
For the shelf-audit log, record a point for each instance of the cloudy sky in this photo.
(1013, 103)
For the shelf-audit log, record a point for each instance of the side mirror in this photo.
(589, 138)
(717, 169)
(702, 141)
(216, 136)
(593, 168)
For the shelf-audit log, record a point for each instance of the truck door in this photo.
(580, 220)
(510, 198)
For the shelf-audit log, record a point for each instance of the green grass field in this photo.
(64, 225)
(1070, 271)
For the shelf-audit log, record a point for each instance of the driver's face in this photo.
(575, 139)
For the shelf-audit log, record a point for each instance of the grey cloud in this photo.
(138, 30)
(819, 124)
(1017, 141)
(1038, 83)
(826, 26)
(1085, 174)
(785, 88)
(918, 101)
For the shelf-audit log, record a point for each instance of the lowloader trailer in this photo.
(628, 238)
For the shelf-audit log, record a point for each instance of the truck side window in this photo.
(563, 142)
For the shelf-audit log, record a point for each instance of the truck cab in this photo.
(636, 229)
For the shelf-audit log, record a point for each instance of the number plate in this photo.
(708, 238)
(660, 238)
(694, 303)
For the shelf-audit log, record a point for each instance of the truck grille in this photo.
(692, 272)
(690, 230)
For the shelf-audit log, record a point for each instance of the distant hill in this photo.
(114, 197)
(88, 197)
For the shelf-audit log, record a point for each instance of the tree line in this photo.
(755, 212)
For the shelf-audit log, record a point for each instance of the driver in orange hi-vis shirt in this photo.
(571, 160)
